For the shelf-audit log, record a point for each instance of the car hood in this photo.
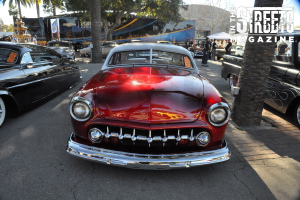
(150, 94)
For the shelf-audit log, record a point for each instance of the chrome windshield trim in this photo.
(148, 161)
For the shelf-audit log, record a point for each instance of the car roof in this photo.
(11, 45)
(153, 46)
(148, 46)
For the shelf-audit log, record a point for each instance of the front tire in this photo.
(2, 111)
(297, 114)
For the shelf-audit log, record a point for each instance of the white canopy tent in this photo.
(220, 36)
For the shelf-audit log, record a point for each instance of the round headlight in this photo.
(219, 114)
(80, 109)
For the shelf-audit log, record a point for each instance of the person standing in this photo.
(209, 53)
(214, 50)
(34, 39)
(187, 43)
(206, 50)
(228, 47)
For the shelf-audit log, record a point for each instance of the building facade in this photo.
(209, 19)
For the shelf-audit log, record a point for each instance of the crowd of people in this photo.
(209, 49)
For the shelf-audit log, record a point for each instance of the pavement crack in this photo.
(72, 189)
(243, 182)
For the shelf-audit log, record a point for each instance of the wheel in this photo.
(218, 58)
(2, 111)
(233, 80)
(86, 55)
(297, 115)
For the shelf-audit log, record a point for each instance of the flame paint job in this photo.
(150, 95)
(150, 98)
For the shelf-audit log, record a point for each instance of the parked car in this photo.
(87, 51)
(135, 41)
(163, 42)
(80, 45)
(106, 48)
(30, 74)
(238, 50)
(64, 48)
(198, 50)
(283, 91)
(149, 108)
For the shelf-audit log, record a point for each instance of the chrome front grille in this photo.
(149, 136)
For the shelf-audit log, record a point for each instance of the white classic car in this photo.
(106, 48)
(64, 48)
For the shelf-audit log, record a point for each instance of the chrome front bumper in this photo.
(148, 161)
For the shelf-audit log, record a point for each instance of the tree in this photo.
(95, 8)
(112, 11)
(37, 5)
(19, 2)
(8, 28)
(50, 6)
(13, 11)
(248, 105)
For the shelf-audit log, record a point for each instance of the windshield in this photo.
(8, 56)
(145, 57)
(58, 44)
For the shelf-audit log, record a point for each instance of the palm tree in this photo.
(50, 6)
(19, 2)
(248, 105)
(37, 4)
(95, 8)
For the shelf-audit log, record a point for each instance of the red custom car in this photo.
(149, 108)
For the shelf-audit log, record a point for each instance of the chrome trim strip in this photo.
(3, 92)
(148, 161)
(36, 81)
(227, 63)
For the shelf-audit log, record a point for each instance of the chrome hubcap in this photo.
(298, 114)
(2, 111)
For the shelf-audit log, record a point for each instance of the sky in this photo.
(31, 12)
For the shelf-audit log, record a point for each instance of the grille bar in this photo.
(150, 138)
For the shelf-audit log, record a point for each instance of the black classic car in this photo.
(31, 73)
(283, 88)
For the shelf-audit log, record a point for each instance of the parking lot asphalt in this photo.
(265, 162)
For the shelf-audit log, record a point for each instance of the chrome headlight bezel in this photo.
(223, 106)
(82, 100)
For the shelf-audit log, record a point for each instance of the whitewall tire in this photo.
(2, 111)
(297, 115)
